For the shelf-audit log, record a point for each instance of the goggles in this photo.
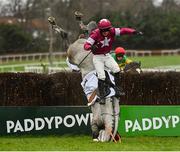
(105, 30)
(119, 55)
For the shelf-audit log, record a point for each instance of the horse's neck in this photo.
(77, 54)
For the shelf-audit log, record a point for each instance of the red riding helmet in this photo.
(104, 24)
(120, 50)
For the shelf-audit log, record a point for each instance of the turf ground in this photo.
(84, 143)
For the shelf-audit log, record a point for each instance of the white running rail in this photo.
(29, 57)
(31, 67)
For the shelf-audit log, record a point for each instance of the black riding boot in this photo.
(103, 90)
(118, 89)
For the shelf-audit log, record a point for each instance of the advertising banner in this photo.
(134, 120)
(45, 120)
(150, 121)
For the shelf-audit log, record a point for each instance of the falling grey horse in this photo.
(104, 124)
(105, 119)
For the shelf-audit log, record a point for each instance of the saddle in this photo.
(108, 86)
(118, 90)
(104, 88)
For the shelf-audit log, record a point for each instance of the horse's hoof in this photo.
(96, 140)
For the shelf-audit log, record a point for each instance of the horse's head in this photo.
(133, 67)
(76, 54)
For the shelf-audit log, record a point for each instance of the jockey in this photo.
(100, 43)
(120, 57)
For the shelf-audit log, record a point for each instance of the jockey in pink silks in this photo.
(100, 43)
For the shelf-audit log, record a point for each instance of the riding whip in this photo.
(84, 58)
(93, 49)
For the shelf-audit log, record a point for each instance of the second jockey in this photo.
(120, 57)
(100, 43)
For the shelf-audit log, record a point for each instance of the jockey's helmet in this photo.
(119, 51)
(104, 24)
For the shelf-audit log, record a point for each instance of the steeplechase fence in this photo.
(63, 88)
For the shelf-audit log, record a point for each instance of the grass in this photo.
(154, 61)
(83, 143)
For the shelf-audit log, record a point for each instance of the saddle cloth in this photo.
(90, 85)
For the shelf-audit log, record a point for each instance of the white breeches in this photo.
(101, 61)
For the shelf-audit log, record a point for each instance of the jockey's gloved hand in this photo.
(138, 33)
(94, 48)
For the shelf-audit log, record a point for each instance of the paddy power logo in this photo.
(54, 122)
(154, 123)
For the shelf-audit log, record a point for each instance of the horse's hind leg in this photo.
(96, 120)
(116, 111)
(107, 115)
